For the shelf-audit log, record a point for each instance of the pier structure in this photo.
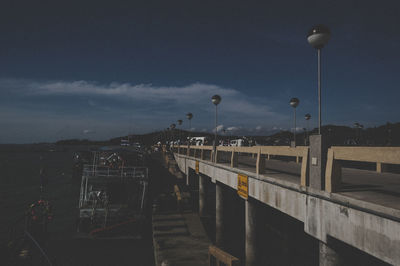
(304, 203)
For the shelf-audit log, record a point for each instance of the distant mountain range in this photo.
(385, 135)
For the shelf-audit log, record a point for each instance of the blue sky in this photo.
(100, 69)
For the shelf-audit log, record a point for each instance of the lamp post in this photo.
(307, 117)
(167, 136)
(358, 127)
(172, 127)
(180, 133)
(189, 116)
(294, 102)
(318, 36)
(216, 99)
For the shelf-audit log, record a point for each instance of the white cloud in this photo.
(111, 109)
(88, 131)
(233, 129)
(219, 128)
(298, 129)
(196, 94)
(92, 103)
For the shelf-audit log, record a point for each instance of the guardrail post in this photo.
(234, 159)
(202, 154)
(333, 175)
(380, 167)
(305, 169)
(188, 151)
(260, 165)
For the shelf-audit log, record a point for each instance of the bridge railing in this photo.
(232, 154)
(379, 155)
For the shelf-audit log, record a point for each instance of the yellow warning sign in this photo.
(197, 167)
(243, 186)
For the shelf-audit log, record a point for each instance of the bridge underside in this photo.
(328, 218)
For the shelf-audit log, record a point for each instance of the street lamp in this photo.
(167, 136)
(318, 36)
(307, 117)
(180, 131)
(189, 116)
(216, 99)
(172, 127)
(294, 102)
(358, 127)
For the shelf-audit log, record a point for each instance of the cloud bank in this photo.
(145, 107)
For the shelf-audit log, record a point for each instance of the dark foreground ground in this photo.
(19, 187)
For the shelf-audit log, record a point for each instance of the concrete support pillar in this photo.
(317, 162)
(202, 196)
(329, 256)
(251, 244)
(219, 215)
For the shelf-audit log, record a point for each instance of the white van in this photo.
(237, 142)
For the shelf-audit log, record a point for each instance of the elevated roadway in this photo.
(358, 208)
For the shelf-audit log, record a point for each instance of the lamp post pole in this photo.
(189, 116)
(318, 36)
(307, 117)
(172, 126)
(180, 132)
(294, 102)
(216, 99)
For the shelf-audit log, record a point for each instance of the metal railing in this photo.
(105, 171)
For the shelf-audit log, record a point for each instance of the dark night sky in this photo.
(97, 69)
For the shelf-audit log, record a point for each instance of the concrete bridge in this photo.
(323, 211)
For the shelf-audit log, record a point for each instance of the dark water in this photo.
(19, 187)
